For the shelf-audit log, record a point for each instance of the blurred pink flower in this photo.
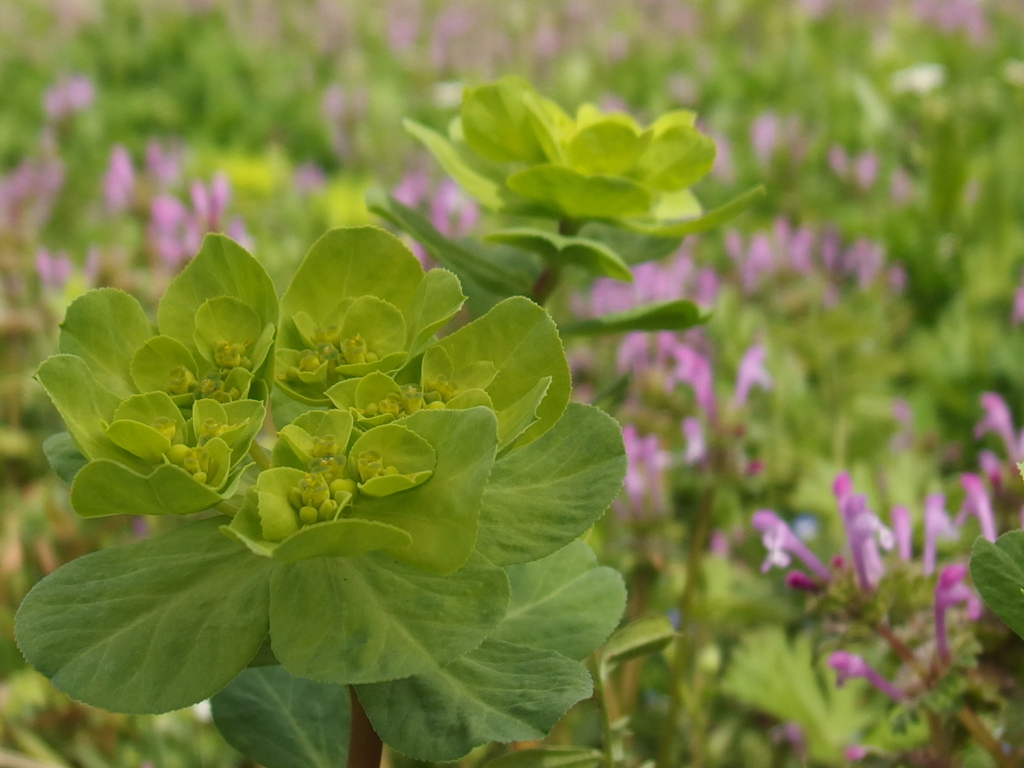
(998, 419)
(119, 180)
(865, 170)
(936, 525)
(899, 519)
(849, 666)
(696, 446)
(70, 94)
(645, 482)
(764, 136)
(977, 503)
(780, 542)
(751, 372)
(949, 591)
(53, 270)
(864, 533)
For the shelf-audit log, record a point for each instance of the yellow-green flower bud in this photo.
(442, 386)
(314, 490)
(308, 515)
(328, 509)
(354, 350)
(295, 498)
(230, 355)
(325, 446)
(165, 427)
(342, 485)
(369, 464)
(176, 454)
(182, 381)
(210, 428)
(413, 398)
(309, 361)
(326, 335)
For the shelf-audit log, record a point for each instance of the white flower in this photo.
(918, 78)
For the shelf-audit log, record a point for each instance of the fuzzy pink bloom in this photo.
(696, 446)
(780, 542)
(163, 166)
(67, 96)
(864, 533)
(865, 170)
(718, 544)
(645, 482)
(693, 369)
(838, 161)
(976, 502)
(936, 525)
(901, 187)
(991, 467)
(759, 261)
(855, 752)
(998, 419)
(119, 180)
(949, 591)
(899, 519)
(764, 136)
(751, 373)
(850, 665)
(53, 270)
(800, 251)
(799, 581)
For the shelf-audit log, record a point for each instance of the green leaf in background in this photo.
(377, 619)
(442, 513)
(282, 721)
(593, 256)
(607, 146)
(64, 458)
(542, 496)
(675, 315)
(570, 194)
(550, 757)
(710, 220)
(521, 339)
(564, 602)
(148, 627)
(496, 122)
(998, 574)
(631, 247)
(769, 673)
(487, 189)
(643, 637)
(221, 268)
(85, 405)
(499, 692)
(452, 255)
(104, 327)
(676, 157)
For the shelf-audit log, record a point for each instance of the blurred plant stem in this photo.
(259, 456)
(10, 759)
(364, 745)
(550, 276)
(687, 629)
(609, 739)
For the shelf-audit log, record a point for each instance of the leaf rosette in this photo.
(518, 152)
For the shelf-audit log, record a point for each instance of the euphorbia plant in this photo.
(411, 533)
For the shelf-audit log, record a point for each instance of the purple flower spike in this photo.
(694, 369)
(781, 542)
(976, 502)
(997, 419)
(751, 372)
(850, 665)
(899, 518)
(991, 467)
(864, 532)
(949, 591)
(645, 473)
(799, 581)
(936, 524)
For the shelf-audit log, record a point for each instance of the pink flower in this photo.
(696, 446)
(764, 136)
(119, 180)
(950, 590)
(991, 467)
(751, 373)
(308, 177)
(799, 581)
(164, 167)
(412, 188)
(759, 261)
(901, 187)
(451, 212)
(645, 473)
(693, 369)
(67, 96)
(976, 502)
(865, 170)
(899, 519)
(781, 542)
(997, 419)
(838, 161)
(849, 666)
(864, 532)
(53, 270)
(936, 525)
(800, 251)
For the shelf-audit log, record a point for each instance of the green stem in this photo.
(552, 273)
(984, 737)
(607, 737)
(259, 456)
(680, 660)
(364, 745)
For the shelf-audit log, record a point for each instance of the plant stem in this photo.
(259, 456)
(984, 737)
(607, 737)
(552, 273)
(680, 660)
(364, 745)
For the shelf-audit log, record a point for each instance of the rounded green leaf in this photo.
(345, 264)
(568, 193)
(676, 157)
(542, 496)
(105, 487)
(395, 448)
(496, 122)
(282, 721)
(164, 364)
(148, 627)
(104, 327)
(225, 320)
(997, 570)
(607, 147)
(64, 458)
(564, 602)
(346, 537)
(221, 268)
(442, 513)
(139, 439)
(499, 692)
(650, 634)
(438, 297)
(522, 342)
(368, 619)
(85, 405)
